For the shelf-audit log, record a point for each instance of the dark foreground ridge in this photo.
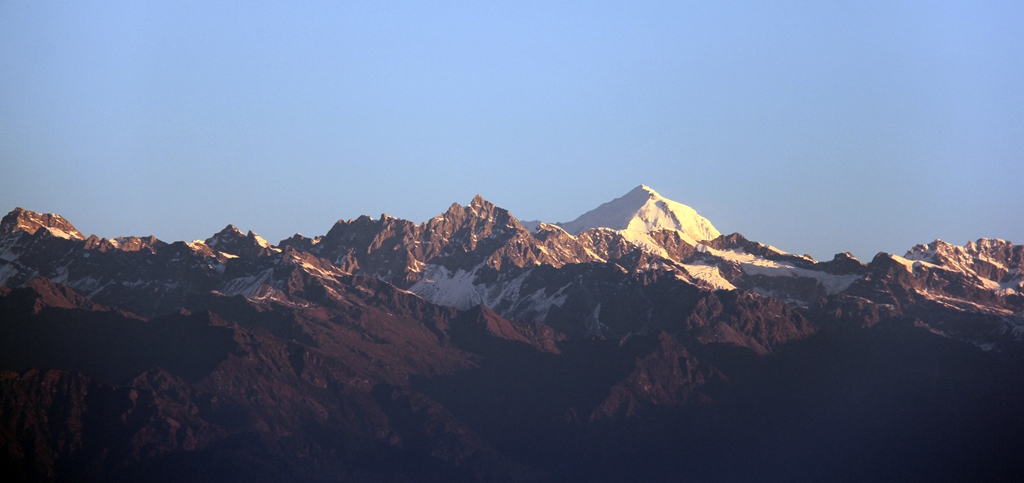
(470, 348)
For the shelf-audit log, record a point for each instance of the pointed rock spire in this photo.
(232, 241)
(228, 236)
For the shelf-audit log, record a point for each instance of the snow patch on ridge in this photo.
(443, 287)
(710, 275)
(912, 264)
(248, 286)
(458, 289)
(57, 232)
(7, 271)
(643, 240)
(540, 302)
(754, 265)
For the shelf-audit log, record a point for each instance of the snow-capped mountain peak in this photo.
(643, 210)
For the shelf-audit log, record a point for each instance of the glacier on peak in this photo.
(641, 211)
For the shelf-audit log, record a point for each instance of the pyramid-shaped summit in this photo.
(643, 210)
(232, 241)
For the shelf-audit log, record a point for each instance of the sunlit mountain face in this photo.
(634, 343)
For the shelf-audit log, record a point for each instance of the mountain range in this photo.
(634, 343)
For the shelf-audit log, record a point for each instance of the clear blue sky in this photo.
(817, 127)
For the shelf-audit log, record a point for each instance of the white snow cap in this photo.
(644, 210)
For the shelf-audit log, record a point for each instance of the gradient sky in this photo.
(817, 127)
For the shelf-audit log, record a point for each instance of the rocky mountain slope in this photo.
(634, 343)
